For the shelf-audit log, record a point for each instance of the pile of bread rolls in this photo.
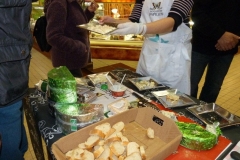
(106, 142)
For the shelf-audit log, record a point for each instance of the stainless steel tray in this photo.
(98, 28)
(99, 78)
(210, 113)
(184, 100)
(145, 83)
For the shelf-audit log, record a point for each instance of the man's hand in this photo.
(106, 19)
(227, 41)
(93, 6)
(130, 28)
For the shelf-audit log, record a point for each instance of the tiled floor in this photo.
(229, 97)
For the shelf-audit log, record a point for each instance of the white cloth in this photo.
(166, 57)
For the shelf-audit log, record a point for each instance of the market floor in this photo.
(229, 97)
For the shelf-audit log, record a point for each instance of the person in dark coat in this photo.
(15, 55)
(70, 44)
(216, 35)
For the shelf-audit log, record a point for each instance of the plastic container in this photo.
(72, 117)
(118, 90)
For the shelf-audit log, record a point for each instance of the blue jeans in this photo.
(14, 139)
(217, 68)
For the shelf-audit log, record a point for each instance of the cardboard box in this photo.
(166, 141)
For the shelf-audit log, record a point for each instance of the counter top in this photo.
(38, 114)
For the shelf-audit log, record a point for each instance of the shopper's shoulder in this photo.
(58, 3)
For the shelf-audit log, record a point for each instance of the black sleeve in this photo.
(180, 12)
(136, 12)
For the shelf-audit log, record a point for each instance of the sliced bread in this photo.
(150, 133)
(119, 126)
(132, 147)
(104, 127)
(142, 152)
(87, 155)
(117, 148)
(134, 156)
(92, 141)
(98, 150)
(106, 153)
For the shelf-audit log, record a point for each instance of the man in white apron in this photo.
(165, 57)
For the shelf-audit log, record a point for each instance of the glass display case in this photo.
(105, 46)
(111, 46)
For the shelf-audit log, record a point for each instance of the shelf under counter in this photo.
(116, 49)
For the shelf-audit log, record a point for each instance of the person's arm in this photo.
(90, 10)
(164, 25)
(179, 12)
(136, 11)
(56, 22)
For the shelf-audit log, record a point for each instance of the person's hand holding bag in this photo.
(130, 28)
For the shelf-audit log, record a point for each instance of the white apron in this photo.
(166, 57)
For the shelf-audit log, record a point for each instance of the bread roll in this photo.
(108, 143)
(105, 127)
(142, 152)
(106, 153)
(134, 156)
(109, 133)
(150, 133)
(124, 140)
(117, 148)
(69, 155)
(113, 156)
(97, 132)
(98, 150)
(87, 155)
(91, 141)
(132, 147)
(82, 146)
(119, 126)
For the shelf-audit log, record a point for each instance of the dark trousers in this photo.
(217, 68)
(14, 138)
